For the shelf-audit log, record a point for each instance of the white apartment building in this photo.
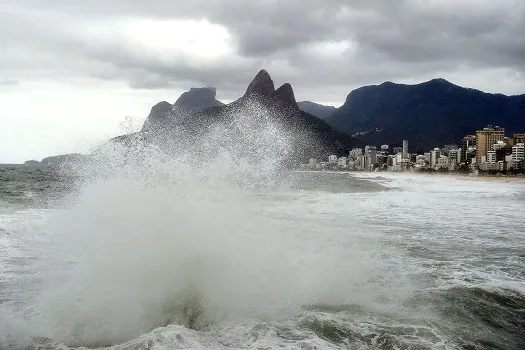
(491, 157)
(518, 152)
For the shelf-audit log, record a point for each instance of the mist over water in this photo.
(217, 245)
(153, 238)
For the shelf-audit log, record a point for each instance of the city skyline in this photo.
(490, 150)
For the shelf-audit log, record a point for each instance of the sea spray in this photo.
(172, 233)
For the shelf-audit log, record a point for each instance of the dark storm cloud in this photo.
(387, 40)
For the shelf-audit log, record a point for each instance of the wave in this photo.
(156, 237)
(481, 318)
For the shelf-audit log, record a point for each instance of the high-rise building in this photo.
(467, 142)
(486, 138)
(405, 149)
(371, 154)
(435, 154)
(518, 154)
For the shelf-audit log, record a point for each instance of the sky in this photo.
(75, 73)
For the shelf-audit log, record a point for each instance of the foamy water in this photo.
(216, 246)
(422, 262)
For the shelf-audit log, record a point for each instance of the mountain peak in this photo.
(198, 98)
(262, 84)
(161, 108)
(440, 81)
(285, 93)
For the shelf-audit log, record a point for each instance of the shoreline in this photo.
(490, 178)
(520, 178)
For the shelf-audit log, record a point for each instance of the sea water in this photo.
(322, 260)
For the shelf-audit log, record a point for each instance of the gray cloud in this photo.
(8, 82)
(387, 40)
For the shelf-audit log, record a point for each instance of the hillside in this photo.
(320, 111)
(429, 114)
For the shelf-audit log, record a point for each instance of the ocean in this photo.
(167, 258)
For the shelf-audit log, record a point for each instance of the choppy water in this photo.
(320, 261)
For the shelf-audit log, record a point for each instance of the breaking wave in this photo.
(161, 235)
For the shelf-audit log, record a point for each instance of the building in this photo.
(399, 158)
(397, 150)
(390, 161)
(427, 157)
(384, 148)
(342, 162)
(497, 166)
(491, 157)
(468, 145)
(519, 138)
(421, 160)
(362, 163)
(441, 162)
(371, 157)
(332, 159)
(381, 161)
(486, 138)
(454, 158)
(447, 148)
(518, 155)
(405, 149)
(393, 160)
(434, 156)
(368, 149)
(498, 145)
(355, 153)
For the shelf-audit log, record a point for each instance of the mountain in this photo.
(246, 126)
(428, 115)
(320, 111)
(194, 100)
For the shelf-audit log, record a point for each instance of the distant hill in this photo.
(242, 123)
(428, 115)
(320, 111)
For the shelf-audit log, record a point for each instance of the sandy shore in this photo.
(482, 178)
(518, 179)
